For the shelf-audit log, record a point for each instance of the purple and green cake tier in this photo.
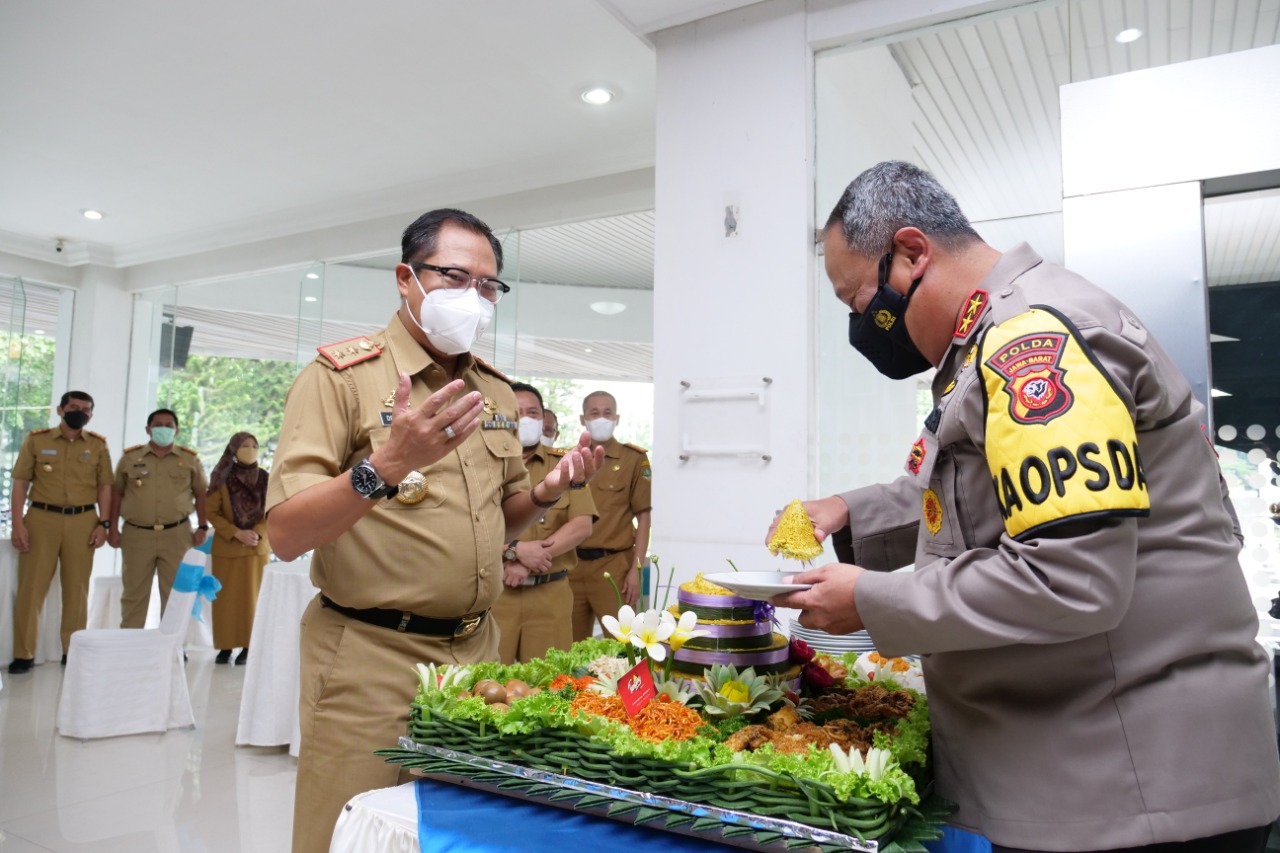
(774, 658)
(740, 613)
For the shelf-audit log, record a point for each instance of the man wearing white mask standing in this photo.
(156, 487)
(619, 541)
(399, 464)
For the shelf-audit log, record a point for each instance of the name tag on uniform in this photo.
(48, 452)
(386, 418)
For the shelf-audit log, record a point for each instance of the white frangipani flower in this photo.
(622, 626)
(649, 631)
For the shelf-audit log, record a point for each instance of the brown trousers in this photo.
(149, 554)
(593, 597)
(357, 683)
(533, 619)
(57, 542)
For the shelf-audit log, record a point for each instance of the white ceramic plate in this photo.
(758, 586)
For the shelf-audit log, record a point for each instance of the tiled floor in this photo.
(186, 790)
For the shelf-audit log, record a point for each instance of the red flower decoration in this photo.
(800, 652)
(816, 679)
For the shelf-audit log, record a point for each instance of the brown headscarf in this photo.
(246, 484)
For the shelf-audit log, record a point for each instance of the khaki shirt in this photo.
(1088, 635)
(574, 503)
(62, 472)
(441, 557)
(621, 489)
(158, 489)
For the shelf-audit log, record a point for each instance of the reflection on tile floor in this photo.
(186, 790)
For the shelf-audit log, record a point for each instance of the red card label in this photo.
(636, 689)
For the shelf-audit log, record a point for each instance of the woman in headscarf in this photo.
(236, 509)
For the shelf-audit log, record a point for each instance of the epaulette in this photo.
(188, 449)
(135, 447)
(556, 451)
(480, 362)
(41, 431)
(97, 435)
(637, 448)
(343, 354)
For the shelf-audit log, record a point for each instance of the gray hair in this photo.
(893, 195)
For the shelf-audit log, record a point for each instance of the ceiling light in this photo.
(608, 307)
(1221, 339)
(92, 214)
(1126, 36)
(37, 331)
(597, 97)
(586, 349)
(308, 299)
(313, 275)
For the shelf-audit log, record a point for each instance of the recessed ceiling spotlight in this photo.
(586, 349)
(597, 97)
(313, 275)
(92, 214)
(1126, 36)
(308, 299)
(608, 307)
(37, 331)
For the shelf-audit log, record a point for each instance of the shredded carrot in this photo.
(564, 680)
(657, 721)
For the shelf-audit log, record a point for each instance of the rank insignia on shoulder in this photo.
(972, 311)
(343, 354)
(931, 509)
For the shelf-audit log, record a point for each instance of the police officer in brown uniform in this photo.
(157, 485)
(65, 470)
(1094, 678)
(399, 464)
(619, 541)
(535, 608)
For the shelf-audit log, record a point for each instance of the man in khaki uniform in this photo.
(1094, 681)
(619, 541)
(535, 608)
(65, 470)
(157, 485)
(399, 464)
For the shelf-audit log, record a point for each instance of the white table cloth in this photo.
(379, 821)
(49, 640)
(269, 702)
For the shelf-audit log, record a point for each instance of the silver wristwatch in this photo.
(368, 484)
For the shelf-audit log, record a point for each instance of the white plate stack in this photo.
(832, 644)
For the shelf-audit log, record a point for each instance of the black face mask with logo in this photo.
(880, 332)
(76, 419)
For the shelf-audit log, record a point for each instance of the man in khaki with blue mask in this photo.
(398, 463)
(619, 540)
(156, 487)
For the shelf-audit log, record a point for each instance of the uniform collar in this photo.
(411, 357)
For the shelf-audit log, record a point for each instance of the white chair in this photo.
(132, 680)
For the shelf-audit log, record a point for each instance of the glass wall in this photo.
(223, 354)
(32, 376)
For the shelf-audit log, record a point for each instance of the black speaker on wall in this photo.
(175, 345)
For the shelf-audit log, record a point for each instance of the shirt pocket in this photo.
(941, 533)
(82, 469)
(437, 489)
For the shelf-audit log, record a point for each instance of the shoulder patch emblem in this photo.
(343, 354)
(972, 311)
(646, 472)
(931, 510)
(1033, 378)
(1056, 452)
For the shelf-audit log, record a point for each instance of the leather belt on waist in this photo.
(539, 580)
(598, 553)
(399, 620)
(62, 510)
(158, 526)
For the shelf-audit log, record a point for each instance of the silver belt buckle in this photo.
(467, 626)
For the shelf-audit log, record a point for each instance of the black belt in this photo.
(598, 553)
(539, 580)
(62, 510)
(159, 526)
(399, 620)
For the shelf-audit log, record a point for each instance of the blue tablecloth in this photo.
(455, 819)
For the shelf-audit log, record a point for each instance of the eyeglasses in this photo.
(459, 279)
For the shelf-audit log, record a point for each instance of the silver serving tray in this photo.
(787, 828)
